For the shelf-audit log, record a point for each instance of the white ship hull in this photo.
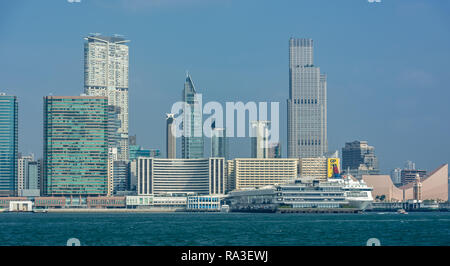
(360, 204)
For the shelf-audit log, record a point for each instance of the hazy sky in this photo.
(388, 64)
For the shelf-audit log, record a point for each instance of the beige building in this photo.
(259, 172)
(433, 187)
(316, 168)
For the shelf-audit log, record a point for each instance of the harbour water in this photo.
(198, 229)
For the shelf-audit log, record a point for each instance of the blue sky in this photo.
(388, 64)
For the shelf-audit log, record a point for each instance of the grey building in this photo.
(307, 103)
(358, 158)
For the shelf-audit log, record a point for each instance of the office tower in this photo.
(171, 141)
(260, 139)
(106, 74)
(180, 176)
(307, 103)
(218, 142)
(358, 158)
(22, 171)
(75, 145)
(8, 144)
(192, 139)
(274, 150)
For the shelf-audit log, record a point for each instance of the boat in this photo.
(40, 211)
(357, 193)
(225, 208)
(401, 211)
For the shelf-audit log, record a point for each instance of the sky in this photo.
(388, 64)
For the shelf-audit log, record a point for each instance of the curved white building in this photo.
(180, 176)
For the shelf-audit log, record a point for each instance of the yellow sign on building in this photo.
(331, 163)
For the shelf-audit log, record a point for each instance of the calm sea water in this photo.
(224, 229)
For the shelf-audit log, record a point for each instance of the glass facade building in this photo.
(75, 145)
(8, 145)
(192, 139)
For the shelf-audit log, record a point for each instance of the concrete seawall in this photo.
(154, 210)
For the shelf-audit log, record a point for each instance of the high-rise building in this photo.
(106, 61)
(171, 141)
(75, 145)
(192, 139)
(307, 103)
(260, 139)
(358, 158)
(218, 142)
(8, 144)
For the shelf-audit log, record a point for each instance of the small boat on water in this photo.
(401, 211)
(225, 208)
(40, 211)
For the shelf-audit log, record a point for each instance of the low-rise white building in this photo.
(148, 201)
(20, 206)
(204, 203)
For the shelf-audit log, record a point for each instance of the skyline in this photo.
(426, 131)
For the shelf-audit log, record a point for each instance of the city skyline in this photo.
(377, 132)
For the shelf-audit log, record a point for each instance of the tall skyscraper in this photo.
(106, 61)
(8, 144)
(192, 139)
(307, 103)
(260, 139)
(218, 142)
(75, 145)
(358, 158)
(171, 141)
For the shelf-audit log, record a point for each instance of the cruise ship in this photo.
(338, 192)
(357, 193)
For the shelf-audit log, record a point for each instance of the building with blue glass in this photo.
(75, 146)
(8, 144)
